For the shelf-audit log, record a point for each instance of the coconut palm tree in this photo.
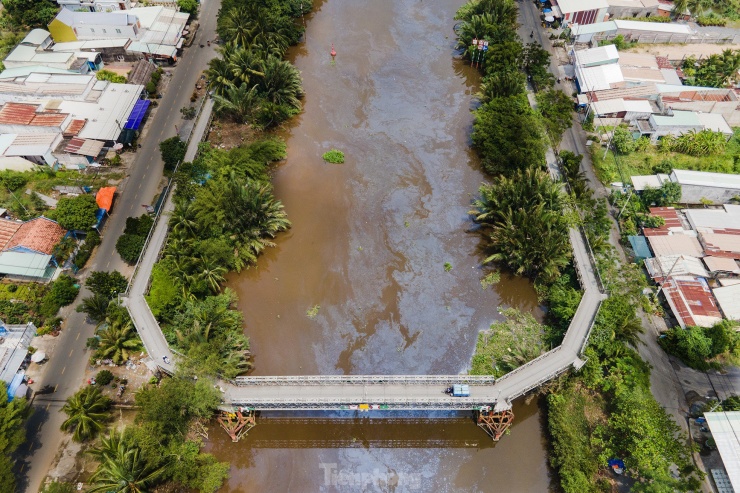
(125, 472)
(211, 273)
(245, 64)
(118, 341)
(87, 411)
(524, 189)
(235, 26)
(95, 306)
(281, 83)
(110, 446)
(238, 103)
(219, 74)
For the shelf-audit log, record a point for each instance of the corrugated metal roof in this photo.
(725, 427)
(640, 246)
(715, 122)
(18, 113)
(679, 119)
(675, 265)
(36, 37)
(570, 6)
(597, 27)
(595, 56)
(74, 127)
(675, 244)
(25, 264)
(85, 147)
(706, 179)
(665, 27)
(721, 245)
(721, 264)
(692, 301)
(599, 77)
(710, 220)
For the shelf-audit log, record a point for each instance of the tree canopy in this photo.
(76, 213)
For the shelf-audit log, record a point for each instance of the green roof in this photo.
(26, 265)
(679, 118)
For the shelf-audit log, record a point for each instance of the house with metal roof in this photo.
(725, 428)
(720, 266)
(691, 301)
(108, 115)
(26, 248)
(675, 244)
(14, 342)
(660, 268)
(95, 5)
(728, 299)
(720, 188)
(582, 11)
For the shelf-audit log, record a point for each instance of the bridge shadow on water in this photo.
(372, 429)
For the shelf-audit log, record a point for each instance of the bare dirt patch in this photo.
(227, 135)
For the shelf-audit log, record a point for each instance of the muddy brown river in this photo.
(380, 273)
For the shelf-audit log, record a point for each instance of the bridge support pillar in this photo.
(494, 423)
(237, 423)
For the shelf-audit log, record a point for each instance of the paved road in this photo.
(66, 366)
(143, 318)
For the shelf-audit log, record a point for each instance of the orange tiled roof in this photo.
(7, 229)
(39, 235)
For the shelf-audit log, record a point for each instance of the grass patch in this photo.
(645, 162)
(334, 156)
(490, 279)
(313, 311)
(508, 344)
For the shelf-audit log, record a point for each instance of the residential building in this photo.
(582, 11)
(722, 101)
(37, 148)
(71, 25)
(724, 220)
(632, 8)
(14, 342)
(155, 31)
(645, 32)
(691, 301)
(725, 428)
(95, 5)
(719, 188)
(728, 299)
(722, 266)
(680, 122)
(661, 268)
(26, 248)
(108, 114)
(675, 244)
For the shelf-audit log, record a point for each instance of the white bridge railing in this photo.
(365, 380)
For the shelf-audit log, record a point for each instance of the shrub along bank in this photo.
(607, 409)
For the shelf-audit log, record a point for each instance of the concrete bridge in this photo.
(490, 398)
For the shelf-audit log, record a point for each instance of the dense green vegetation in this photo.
(333, 156)
(110, 76)
(130, 244)
(251, 81)
(62, 292)
(660, 159)
(714, 71)
(173, 151)
(88, 410)
(13, 415)
(75, 213)
(700, 347)
(607, 409)
(27, 14)
(225, 216)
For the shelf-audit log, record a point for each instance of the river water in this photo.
(381, 249)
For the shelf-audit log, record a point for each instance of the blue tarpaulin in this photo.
(137, 114)
(640, 247)
(14, 384)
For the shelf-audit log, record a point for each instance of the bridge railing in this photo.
(350, 404)
(365, 380)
